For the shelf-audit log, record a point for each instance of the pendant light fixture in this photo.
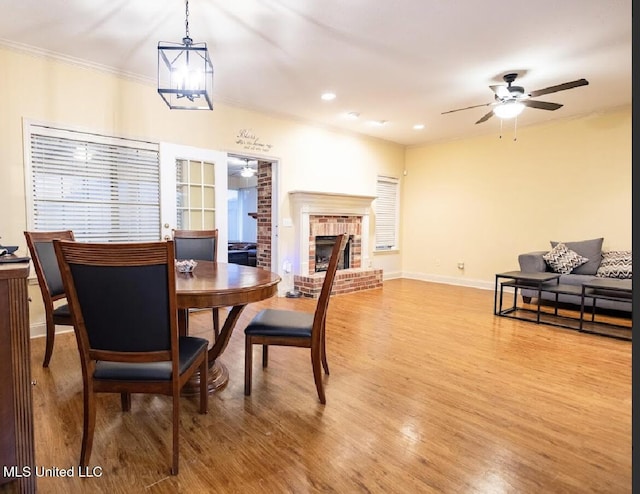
(185, 73)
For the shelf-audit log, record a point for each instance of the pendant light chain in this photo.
(187, 39)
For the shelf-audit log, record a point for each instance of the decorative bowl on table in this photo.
(186, 265)
(7, 249)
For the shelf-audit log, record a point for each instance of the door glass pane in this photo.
(208, 177)
(182, 198)
(195, 220)
(195, 172)
(209, 195)
(195, 197)
(209, 221)
(195, 194)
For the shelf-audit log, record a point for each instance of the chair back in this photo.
(327, 285)
(40, 246)
(122, 298)
(200, 245)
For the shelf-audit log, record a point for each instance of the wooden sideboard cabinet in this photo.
(16, 409)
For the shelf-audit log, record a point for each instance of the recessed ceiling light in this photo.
(353, 115)
(328, 96)
(418, 127)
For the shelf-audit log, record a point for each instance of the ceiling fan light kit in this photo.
(247, 172)
(185, 73)
(508, 109)
(510, 101)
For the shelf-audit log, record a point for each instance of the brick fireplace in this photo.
(318, 214)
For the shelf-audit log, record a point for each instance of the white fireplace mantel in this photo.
(330, 203)
(307, 203)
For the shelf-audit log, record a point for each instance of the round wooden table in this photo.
(218, 284)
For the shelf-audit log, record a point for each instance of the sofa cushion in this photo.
(575, 279)
(615, 264)
(591, 249)
(563, 260)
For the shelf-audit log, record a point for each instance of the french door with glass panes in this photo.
(193, 191)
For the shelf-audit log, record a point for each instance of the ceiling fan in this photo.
(244, 167)
(510, 100)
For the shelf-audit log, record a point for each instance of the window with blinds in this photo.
(103, 188)
(387, 213)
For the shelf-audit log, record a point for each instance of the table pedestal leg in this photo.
(218, 374)
(218, 378)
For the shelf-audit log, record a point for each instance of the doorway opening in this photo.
(250, 188)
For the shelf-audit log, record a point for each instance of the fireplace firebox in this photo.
(324, 244)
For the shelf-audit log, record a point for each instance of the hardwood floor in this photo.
(428, 392)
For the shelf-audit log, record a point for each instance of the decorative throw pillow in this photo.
(591, 249)
(615, 264)
(563, 260)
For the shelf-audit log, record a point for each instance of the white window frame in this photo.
(387, 208)
(98, 188)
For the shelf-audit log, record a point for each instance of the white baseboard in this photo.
(450, 280)
(392, 275)
(40, 330)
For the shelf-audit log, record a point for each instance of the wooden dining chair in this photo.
(40, 246)
(123, 304)
(295, 328)
(199, 245)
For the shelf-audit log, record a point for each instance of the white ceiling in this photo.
(403, 61)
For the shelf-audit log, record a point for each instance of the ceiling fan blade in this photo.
(501, 91)
(486, 117)
(541, 105)
(559, 87)
(467, 108)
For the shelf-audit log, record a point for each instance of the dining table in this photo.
(219, 284)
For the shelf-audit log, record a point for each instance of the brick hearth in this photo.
(346, 281)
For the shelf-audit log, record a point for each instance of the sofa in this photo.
(577, 262)
(242, 253)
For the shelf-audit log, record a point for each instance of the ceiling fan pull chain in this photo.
(500, 128)
(515, 129)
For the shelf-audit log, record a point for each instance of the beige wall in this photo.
(485, 200)
(73, 96)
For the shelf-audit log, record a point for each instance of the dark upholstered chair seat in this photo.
(62, 311)
(274, 322)
(190, 348)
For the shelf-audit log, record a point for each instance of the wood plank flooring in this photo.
(429, 392)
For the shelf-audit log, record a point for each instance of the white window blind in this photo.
(387, 213)
(105, 189)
